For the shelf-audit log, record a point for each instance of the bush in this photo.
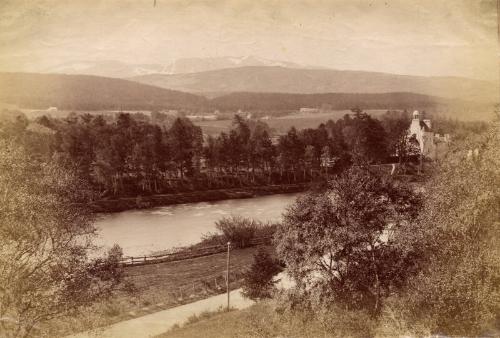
(258, 281)
(237, 230)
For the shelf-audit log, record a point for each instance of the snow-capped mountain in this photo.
(117, 69)
(195, 65)
(106, 68)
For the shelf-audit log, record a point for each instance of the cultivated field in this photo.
(282, 124)
(156, 287)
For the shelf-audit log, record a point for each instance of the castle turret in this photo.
(415, 124)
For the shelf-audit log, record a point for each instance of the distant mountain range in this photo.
(91, 93)
(106, 68)
(196, 65)
(117, 69)
(277, 79)
(216, 76)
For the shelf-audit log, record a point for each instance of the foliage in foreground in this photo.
(46, 232)
(338, 244)
(457, 238)
(436, 273)
(265, 319)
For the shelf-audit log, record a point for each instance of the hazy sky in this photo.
(436, 37)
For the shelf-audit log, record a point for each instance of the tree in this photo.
(337, 243)
(46, 233)
(365, 137)
(185, 141)
(258, 280)
(399, 143)
(237, 230)
(291, 151)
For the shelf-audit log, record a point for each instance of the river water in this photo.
(141, 232)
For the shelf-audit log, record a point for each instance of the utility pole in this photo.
(498, 38)
(227, 272)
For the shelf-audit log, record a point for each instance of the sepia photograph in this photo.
(249, 168)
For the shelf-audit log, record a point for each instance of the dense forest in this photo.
(138, 154)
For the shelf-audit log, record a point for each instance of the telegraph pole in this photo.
(498, 38)
(227, 272)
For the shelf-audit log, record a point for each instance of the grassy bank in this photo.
(160, 286)
(142, 202)
(261, 320)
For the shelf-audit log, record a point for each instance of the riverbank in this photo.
(145, 202)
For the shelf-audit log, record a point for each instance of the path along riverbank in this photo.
(160, 322)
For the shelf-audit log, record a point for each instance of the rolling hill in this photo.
(84, 92)
(277, 79)
(92, 93)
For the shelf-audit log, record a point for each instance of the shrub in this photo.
(258, 281)
(237, 230)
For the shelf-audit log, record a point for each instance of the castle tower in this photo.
(415, 124)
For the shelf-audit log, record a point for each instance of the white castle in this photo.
(431, 145)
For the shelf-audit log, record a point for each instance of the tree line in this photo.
(135, 154)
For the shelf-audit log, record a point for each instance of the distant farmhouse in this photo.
(307, 110)
(432, 145)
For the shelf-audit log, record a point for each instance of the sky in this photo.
(417, 37)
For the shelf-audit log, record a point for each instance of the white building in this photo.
(431, 145)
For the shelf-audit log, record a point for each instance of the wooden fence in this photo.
(186, 253)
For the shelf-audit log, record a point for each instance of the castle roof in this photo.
(424, 126)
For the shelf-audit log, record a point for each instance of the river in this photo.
(141, 232)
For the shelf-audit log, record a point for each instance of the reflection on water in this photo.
(141, 232)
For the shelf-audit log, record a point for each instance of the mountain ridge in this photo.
(309, 81)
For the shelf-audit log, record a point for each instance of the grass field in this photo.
(160, 286)
(281, 125)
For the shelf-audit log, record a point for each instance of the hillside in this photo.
(335, 101)
(84, 92)
(289, 80)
